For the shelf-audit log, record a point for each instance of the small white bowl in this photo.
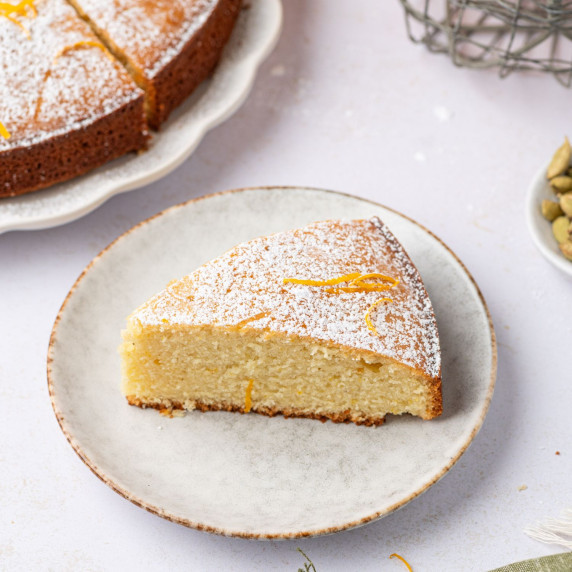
(539, 227)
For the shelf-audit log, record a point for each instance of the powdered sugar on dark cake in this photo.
(46, 88)
(151, 33)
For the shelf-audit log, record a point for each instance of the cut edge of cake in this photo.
(169, 82)
(245, 395)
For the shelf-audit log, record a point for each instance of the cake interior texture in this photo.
(245, 370)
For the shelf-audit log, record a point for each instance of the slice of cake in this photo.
(169, 46)
(330, 321)
(66, 106)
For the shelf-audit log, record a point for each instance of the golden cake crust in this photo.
(182, 75)
(168, 406)
(61, 157)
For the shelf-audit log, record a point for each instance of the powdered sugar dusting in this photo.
(150, 32)
(249, 280)
(43, 95)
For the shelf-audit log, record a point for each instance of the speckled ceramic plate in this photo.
(255, 34)
(540, 229)
(249, 475)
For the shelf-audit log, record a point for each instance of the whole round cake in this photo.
(82, 82)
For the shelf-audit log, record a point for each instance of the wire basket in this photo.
(510, 35)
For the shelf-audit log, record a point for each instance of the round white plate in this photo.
(540, 229)
(255, 34)
(249, 475)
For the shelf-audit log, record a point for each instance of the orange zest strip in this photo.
(372, 307)
(360, 288)
(361, 279)
(41, 94)
(24, 8)
(77, 46)
(4, 132)
(402, 560)
(331, 282)
(356, 283)
(258, 316)
(20, 8)
(81, 45)
(29, 4)
(248, 396)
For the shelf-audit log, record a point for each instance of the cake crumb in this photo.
(522, 488)
(557, 453)
(170, 413)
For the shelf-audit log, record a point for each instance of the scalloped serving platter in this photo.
(255, 34)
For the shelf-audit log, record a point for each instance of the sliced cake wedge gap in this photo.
(168, 46)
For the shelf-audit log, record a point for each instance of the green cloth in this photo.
(555, 563)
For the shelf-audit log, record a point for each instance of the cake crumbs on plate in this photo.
(169, 412)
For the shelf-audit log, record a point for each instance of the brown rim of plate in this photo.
(198, 526)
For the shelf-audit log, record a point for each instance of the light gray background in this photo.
(344, 102)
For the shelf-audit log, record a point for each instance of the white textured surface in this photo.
(248, 474)
(345, 102)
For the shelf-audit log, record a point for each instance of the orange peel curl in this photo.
(4, 132)
(395, 555)
(356, 282)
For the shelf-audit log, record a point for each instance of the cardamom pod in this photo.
(560, 229)
(550, 210)
(566, 249)
(561, 184)
(561, 160)
(566, 204)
